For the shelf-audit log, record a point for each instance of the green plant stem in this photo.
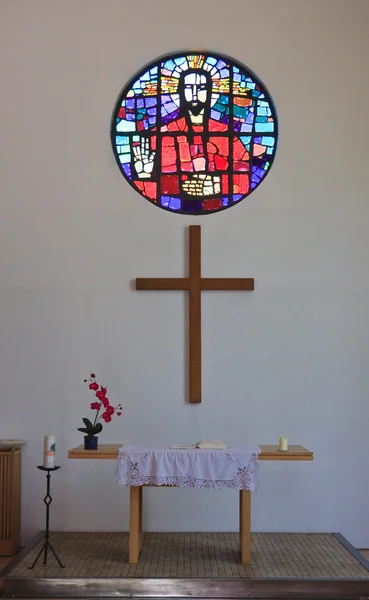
(97, 414)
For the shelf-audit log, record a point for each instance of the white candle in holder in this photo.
(283, 443)
(49, 451)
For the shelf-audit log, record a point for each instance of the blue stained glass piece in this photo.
(225, 201)
(120, 140)
(221, 64)
(180, 60)
(175, 203)
(150, 101)
(246, 127)
(246, 140)
(170, 106)
(253, 184)
(127, 169)
(267, 141)
(211, 60)
(170, 65)
(215, 115)
(140, 103)
(264, 126)
(164, 201)
(130, 103)
(224, 73)
(124, 125)
(236, 197)
(125, 158)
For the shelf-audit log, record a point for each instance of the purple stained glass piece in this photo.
(127, 169)
(150, 101)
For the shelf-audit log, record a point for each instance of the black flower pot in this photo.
(91, 442)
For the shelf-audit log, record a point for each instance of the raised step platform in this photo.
(206, 565)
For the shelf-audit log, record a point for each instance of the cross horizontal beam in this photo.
(206, 283)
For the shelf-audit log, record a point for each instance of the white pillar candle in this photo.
(283, 443)
(49, 451)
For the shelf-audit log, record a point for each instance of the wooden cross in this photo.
(195, 284)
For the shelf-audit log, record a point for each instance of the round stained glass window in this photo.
(194, 133)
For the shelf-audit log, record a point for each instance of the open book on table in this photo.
(205, 445)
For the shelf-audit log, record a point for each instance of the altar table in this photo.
(267, 452)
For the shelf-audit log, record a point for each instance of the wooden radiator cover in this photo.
(10, 501)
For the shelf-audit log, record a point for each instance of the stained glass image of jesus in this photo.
(194, 134)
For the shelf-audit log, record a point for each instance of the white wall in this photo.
(291, 357)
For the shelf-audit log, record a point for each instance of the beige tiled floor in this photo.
(192, 555)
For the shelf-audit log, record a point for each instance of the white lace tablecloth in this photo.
(231, 468)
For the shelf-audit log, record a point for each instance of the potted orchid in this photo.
(103, 411)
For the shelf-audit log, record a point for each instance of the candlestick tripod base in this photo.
(47, 544)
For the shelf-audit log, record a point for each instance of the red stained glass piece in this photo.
(239, 150)
(168, 159)
(150, 189)
(216, 126)
(169, 184)
(240, 165)
(212, 204)
(224, 184)
(221, 163)
(240, 184)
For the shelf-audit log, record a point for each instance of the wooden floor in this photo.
(196, 555)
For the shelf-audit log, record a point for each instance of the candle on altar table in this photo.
(49, 451)
(283, 443)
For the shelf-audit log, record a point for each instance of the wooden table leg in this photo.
(135, 523)
(245, 526)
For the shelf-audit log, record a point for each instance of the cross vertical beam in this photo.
(195, 284)
(195, 314)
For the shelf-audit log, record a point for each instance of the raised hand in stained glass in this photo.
(143, 157)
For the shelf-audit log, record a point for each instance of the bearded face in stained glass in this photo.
(194, 133)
